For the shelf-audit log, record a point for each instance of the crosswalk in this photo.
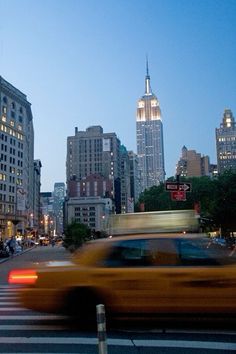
(31, 332)
(25, 331)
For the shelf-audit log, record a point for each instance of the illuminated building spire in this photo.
(148, 90)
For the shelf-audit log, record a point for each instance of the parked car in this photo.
(143, 275)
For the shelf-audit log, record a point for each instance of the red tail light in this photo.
(24, 276)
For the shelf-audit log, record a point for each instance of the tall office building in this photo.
(125, 190)
(93, 152)
(226, 143)
(17, 167)
(58, 205)
(36, 196)
(149, 135)
(134, 177)
(47, 222)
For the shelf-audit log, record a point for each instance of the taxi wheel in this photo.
(81, 304)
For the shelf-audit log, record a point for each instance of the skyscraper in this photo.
(226, 142)
(58, 203)
(149, 135)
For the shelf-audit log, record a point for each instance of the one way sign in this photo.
(185, 187)
(178, 186)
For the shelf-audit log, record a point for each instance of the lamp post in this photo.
(31, 220)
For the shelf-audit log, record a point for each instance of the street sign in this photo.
(178, 195)
(178, 186)
(185, 187)
(172, 186)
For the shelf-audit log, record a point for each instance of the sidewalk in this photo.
(17, 254)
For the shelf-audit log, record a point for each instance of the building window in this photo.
(2, 177)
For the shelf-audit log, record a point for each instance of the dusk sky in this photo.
(83, 63)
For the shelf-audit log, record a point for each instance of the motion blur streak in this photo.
(28, 276)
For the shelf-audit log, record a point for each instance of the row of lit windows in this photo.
(231, 138)
(10, 131)
(227, 157)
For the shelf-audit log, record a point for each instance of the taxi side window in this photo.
(194, 253)
(132, 253)
(163, 252)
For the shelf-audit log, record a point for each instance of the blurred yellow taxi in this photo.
(138, 275)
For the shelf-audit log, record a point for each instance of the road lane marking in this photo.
(121, 342)
(32, 317)
(185, 344)
(24, 327)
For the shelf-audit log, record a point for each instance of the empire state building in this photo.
(149, 135)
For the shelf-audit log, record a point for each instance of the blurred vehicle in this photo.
(138, 275)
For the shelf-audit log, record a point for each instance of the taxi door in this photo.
(200, 282)
(132, 279)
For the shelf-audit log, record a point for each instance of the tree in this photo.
(75, 235)
(216, 197)
(224, 204)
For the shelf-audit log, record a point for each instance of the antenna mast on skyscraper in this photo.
(148, 89)
(147, 70)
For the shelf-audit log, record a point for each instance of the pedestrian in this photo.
(12, 244)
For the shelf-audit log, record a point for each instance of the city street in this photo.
(25, 331)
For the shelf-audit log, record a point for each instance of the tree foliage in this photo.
(215, 196)
(75, 235)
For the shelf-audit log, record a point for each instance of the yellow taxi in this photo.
(138, 275)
